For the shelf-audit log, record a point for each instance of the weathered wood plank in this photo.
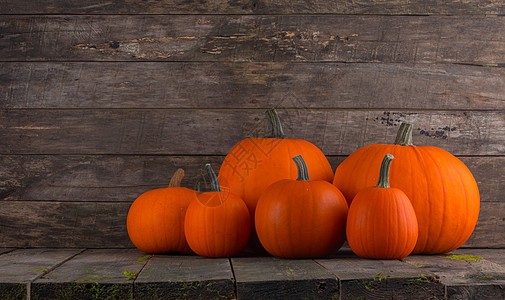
(96, 178)
(64, 224)
(381, 279)
(6, 250)
(223, 85)
(185, 277)
(214, 132)
(401, 39)
(124, 178)
(103, 225)
(490, 229)
(416, 7)
(22, 266)
(464, 279)
(94, 274)
(493, 255)
(274, 278)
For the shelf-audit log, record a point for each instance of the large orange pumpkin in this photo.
(442, 190)
(382, 223)
(155, 221)
(217, 223)
(255, 163)
(301, 218)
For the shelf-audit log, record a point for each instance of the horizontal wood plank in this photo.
(253, 7)
(382, 279)
(490, 229)
(94, 274)
(22, 266)
(214, 132)
(64, 224)
(124, 178)
(185, 277)
(413, 39)
(274, 278)
(250, 85)
(103, 225)
(464, 279)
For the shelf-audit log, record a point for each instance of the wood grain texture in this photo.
(22, 266)
(250, 85)
(103, 224)
(124, 178)
(274, 278)
(393, 39)
(465, 279)
(185, 277)
(214, 132)
(382, 279)
(416, 7)
(493, 255)
(64, 224)
(94, 274)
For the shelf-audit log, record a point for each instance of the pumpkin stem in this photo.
(384, 171)
(214, 183)
(275, 124)
(198, 187)
(404, 136)
(303, 172)
(176, 179)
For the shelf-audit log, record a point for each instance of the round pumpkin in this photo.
(442, 190)
(301, 218)
(253, 164)
(155, 221)
(217, 223)
(382, 223)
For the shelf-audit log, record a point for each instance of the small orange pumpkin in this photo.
(301, 218)
(155, 221)
(217, 223)
(382, 223)
(442, 190)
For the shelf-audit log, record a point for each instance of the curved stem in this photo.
(384, 171)
(303, 172)
(176, 179)
(275, 124)
(404, 136)
(214, 183)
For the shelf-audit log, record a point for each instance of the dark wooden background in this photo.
(103, 100)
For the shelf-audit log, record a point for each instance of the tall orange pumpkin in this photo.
(301, 218)
(155, 221)
(217, 223)
(255, 163)
(442, 190)
(382, 223)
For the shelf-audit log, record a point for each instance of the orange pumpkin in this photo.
(217, 223)
(155, 221)
(255, 163)
(382, 223)
(301, 218)
(442, 190)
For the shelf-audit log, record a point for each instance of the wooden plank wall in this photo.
(101, 101)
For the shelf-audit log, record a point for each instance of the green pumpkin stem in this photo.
(214, 183)
(384, 171)
(176, 179)
(404, 136)
(303, 171)
(275, 124)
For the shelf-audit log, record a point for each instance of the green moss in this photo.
(142, 259)
(373, 284)
(41, 270)
(419, 266)
(465, 257)
(130, 274)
